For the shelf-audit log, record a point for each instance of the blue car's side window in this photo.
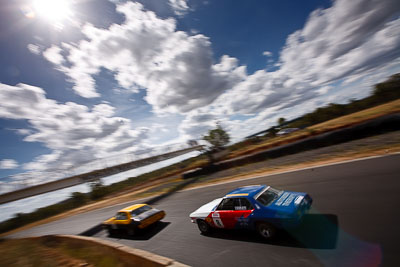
(235, 204)
(243, 204)
(226, 204)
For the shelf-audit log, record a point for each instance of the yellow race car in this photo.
(133, 218)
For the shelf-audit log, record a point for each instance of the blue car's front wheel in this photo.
(266, 230)
(203, 227)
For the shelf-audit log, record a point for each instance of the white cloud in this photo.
(194, 31)
(324, 89)
(348, 42)
(53, 55)
(197, 123)
(267, 53)
(23, 131)
(8, 164)
(22, 101)
(350, 37)
(34, 49)
(180, 7)
(177, 69)
(74, 133)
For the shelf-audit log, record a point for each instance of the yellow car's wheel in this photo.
(111, 231)
(130, 231)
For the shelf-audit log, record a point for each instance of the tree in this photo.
(217, 138)
(78, 198)
(192, 143)
(271, 132)
(281, 121)
(388, 90)
(98, 190)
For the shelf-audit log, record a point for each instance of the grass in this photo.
(44, 252)
(331, 125)
(348, 155)
(358, 117)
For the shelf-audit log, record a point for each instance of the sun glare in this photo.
(52, 10)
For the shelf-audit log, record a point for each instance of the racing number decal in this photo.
(217, 220)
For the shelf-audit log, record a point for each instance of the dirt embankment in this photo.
(325, 127)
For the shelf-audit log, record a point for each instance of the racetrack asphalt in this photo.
(354, 221)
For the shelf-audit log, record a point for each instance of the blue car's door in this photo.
(232, 213)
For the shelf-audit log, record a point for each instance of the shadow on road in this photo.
(144, 234)
(97, 228)
(318, 231)
(92, 231)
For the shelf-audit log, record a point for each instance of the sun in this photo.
(53, 10)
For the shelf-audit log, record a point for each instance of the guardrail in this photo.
(89, 176)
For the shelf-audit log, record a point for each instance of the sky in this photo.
(85, 80)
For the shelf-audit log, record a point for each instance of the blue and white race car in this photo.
(258, 207)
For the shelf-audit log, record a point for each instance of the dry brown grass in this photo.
(335, 124)
(38, 252)
(350, 155)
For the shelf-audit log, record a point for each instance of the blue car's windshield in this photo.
(268, 196)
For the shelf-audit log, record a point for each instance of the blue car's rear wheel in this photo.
(266, 230)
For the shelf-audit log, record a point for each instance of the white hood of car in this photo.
(205, 210)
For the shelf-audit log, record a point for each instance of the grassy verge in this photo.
(44, 252)
(331, 125)
(345, 156)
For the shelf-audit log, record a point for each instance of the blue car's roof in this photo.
(249, 191)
